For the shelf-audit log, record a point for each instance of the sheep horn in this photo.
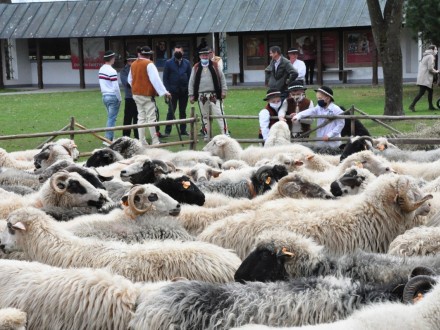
(283, 184)
(263, 170)
(408, 206)
(136, 190)
(57, 178)
(162, 164)
(421, 283)
(422, 270)
(171, 167)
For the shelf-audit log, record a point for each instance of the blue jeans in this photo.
(112, 104)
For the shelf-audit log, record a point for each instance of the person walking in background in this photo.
(130, 109)
(207, 86)
(326, 106)
(176, 75)
(146, 84)
(297, 64)
(280, 72)
(309, 57)
(111, 95)
(425, 77)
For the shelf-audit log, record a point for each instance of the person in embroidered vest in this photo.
(146, 84)
(275, 107)
(297, 102)
(130, 109)
(280, 72)
(111, 95)
(326, 106)
(176, 75)
(297, 64)
(207, 86)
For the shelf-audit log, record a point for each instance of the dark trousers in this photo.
(422, 90)
(310, 70)
(130, 117)
(182, 99)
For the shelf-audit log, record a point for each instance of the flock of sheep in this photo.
(255, 238)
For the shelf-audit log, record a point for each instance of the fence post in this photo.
(352, 121)
(193, 129)
(209, 122)
(72, 127)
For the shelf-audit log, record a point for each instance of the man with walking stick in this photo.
(207, 86)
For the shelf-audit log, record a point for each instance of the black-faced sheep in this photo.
(42, 239)
(356, 144)
(369, 221)
(103, 157)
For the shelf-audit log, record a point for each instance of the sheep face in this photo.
(103, 157)
(127, 146)
(182, 189)
(357, 144)
(144, 171)
(218, 145)
(66, 189)
(348, 184)
(141, 199)
(202, 172)
(17, 224)
(366, 159)
(48, 155)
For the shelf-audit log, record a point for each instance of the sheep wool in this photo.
(12, 319)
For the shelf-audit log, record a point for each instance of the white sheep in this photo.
(369, 221)
(42, 239)
(418, 241)
(12, 319)
(427, 171)
(10, 162)
(279, 134)
(56, 298)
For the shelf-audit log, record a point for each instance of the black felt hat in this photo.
(296, 85)
(109, 54)
(326, 90)
(272, 93)
(205, 50)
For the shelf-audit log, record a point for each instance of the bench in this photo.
(234, 76)
(342, 73)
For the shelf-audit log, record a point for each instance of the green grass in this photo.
(47, 112)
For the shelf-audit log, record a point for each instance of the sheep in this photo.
(129, 147)
(42, 239)
(103, 157)
(197, 305)
(227, 148)
(352, 182)
(234, 164)
(259, 183)
(7, 161)
(202, 172)
(356, 144)
(50, 154)
(414, 314)
(12, 319)
(195, 218)
(418, 241)
(148, 214)
(279, 134)
(281, 253)
(369, 221)
(64, 190)
(15, 177)
(56, 298)
(19, 190)
(426, 171)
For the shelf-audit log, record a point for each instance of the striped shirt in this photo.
(108, 81)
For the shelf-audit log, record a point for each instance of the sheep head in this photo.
(134, 197)
(296, 186)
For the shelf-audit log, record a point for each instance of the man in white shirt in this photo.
(146, 84)
(297, 64)
(111, 95)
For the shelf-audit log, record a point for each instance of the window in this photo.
(51, 49)
(358, 48)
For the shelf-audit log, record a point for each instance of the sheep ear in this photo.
(215, 173)
(19, 226)
(298, 163)
(220, 143)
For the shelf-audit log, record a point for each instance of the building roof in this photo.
(64, 19)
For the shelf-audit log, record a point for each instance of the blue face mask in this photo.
(322, 103)
(204, 61)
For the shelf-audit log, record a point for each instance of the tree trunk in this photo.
(386, 29)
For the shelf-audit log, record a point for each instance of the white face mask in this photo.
(298, 98)
(275, 105)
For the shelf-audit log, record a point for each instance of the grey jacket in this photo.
(426, 72)
(280, 78)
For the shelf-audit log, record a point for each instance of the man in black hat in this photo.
(297, 102)
(111, 95)
(326, 106)
(297, 64)
(207, 85)
(130, 109)
(274, 108)
(146, 84)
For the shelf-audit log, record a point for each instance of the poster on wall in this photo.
(93, 49)
(306, 44)
(254, 51)
(359, 47)
(329, 49)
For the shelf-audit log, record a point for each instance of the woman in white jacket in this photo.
(425, 77)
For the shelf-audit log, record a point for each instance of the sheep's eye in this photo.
(153, 197)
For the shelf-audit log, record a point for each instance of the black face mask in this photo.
(178, 55)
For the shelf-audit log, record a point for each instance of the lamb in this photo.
(227, 148)
(195, 218)
(56, 298)
(64, 190)
(148, 214)
(368, 221)
(197, 305)
(415, 314)
(12, 319)
(42, 239)
(418, 241)
(300, 256)
(279, 134)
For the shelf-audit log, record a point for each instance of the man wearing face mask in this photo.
(425, 77)
(274, 108)
(176, 73)
(207, 85)
(297, 102)
(324, 95)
